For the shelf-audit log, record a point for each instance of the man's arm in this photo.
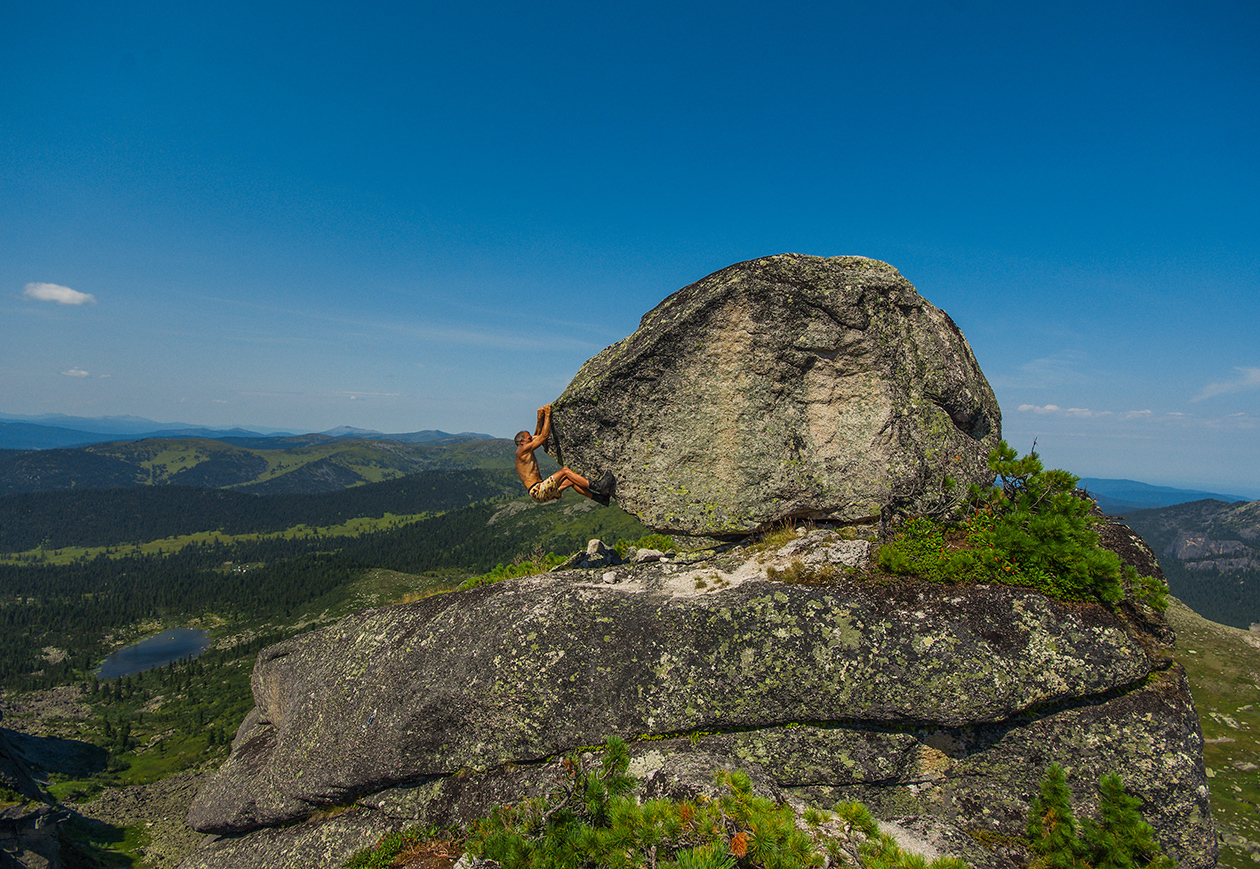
(544, 429)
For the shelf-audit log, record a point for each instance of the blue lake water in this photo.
(156, 651)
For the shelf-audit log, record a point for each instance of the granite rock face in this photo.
(937, 703)
(788, 386)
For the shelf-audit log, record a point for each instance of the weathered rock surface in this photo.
(785, 386)
(15, 774)
(29, 838)
(937, 703)
(28, 820)
(160, 808)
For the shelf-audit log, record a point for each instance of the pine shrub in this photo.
(1029, 529)
(1118, 839)
(593, 820)
(540, 563)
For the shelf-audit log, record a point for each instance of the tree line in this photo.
(106, 517)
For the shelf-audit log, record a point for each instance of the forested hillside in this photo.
(1210, 552)
(103, 517)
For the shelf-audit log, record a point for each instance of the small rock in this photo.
(598, 554)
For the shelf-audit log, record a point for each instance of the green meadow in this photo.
(168, 545)
(1223, 665)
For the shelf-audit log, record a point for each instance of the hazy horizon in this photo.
(1229, 488)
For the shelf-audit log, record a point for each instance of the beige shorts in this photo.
(547, 490)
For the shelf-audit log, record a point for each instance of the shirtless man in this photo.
(551, 488)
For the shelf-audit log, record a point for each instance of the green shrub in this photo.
(388, 850)
(1052, 830)
(383, 855)
(592, 820)
(649, 541)
(1029, 529)
(858, 817)
(538, 564)
(1118, 839)
(706, 857)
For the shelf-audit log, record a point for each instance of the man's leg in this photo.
(580, 484)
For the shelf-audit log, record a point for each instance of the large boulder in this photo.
(788, 386)
(925, 701)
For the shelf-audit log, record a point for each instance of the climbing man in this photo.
(550, 489)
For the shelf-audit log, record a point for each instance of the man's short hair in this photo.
(522, 436)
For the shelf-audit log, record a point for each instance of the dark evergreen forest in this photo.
(105, 517)
(1231, 598)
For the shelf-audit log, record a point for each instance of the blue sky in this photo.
(404, 216)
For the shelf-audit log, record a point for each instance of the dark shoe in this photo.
(607, 483)
(602, 500)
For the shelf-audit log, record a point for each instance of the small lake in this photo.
(156, 651)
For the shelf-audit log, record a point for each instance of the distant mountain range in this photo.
(54, 431)
(1119, 495)
(59, 431)
(253, 463)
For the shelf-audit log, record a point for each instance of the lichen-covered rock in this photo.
(319, 841)
(923, 700)
(785, 386)
(530, 668)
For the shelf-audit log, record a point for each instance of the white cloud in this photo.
(57, 293)
(1085, 412)
(76, 372)
(1249, 379)
(1054, 409)
(1147, 420)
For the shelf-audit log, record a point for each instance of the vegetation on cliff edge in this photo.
(592, 819)
(1030, 529)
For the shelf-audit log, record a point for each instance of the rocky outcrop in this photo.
(29, 836)
(789, 386)
(937, 703)
(15, 776)
(785, 386)
(29, 821)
